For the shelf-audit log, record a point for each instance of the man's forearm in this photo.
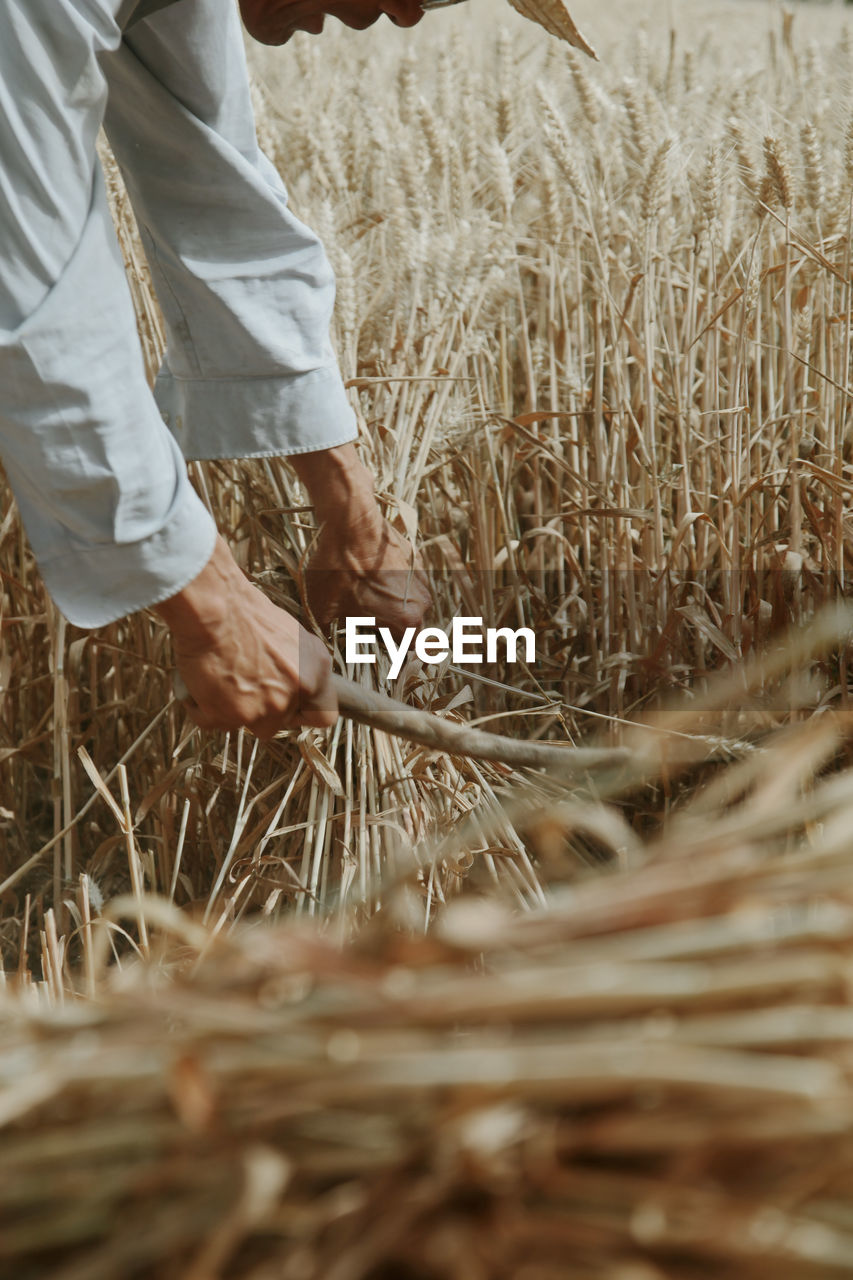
(361, 565)
(199, 609)
(339, 485)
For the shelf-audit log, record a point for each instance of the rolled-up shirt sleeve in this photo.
(100, 481)
(246, 288)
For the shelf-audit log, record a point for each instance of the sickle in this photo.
(366, 706)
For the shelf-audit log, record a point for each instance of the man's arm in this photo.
(100, 481)
(101, 485)
(247, 294)
(361, 567)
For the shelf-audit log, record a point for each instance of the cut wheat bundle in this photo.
(649, 1076)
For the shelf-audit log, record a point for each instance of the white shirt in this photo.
(245, 287)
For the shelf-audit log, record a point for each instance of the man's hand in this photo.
(275, 21)
(361, 566)
(366, 571)
(244, 661)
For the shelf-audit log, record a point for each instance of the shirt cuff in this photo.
(93, 585)
(256, 417)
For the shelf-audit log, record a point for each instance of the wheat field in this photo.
(596, 322)
(338, 1007)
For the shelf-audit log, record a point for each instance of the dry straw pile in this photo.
(651, 1079)
(597, 320)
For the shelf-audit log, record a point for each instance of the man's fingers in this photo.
(319, 717)
(267, 728)
(316, 703)
(268, 697)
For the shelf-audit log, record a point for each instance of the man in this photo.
(247, 294)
